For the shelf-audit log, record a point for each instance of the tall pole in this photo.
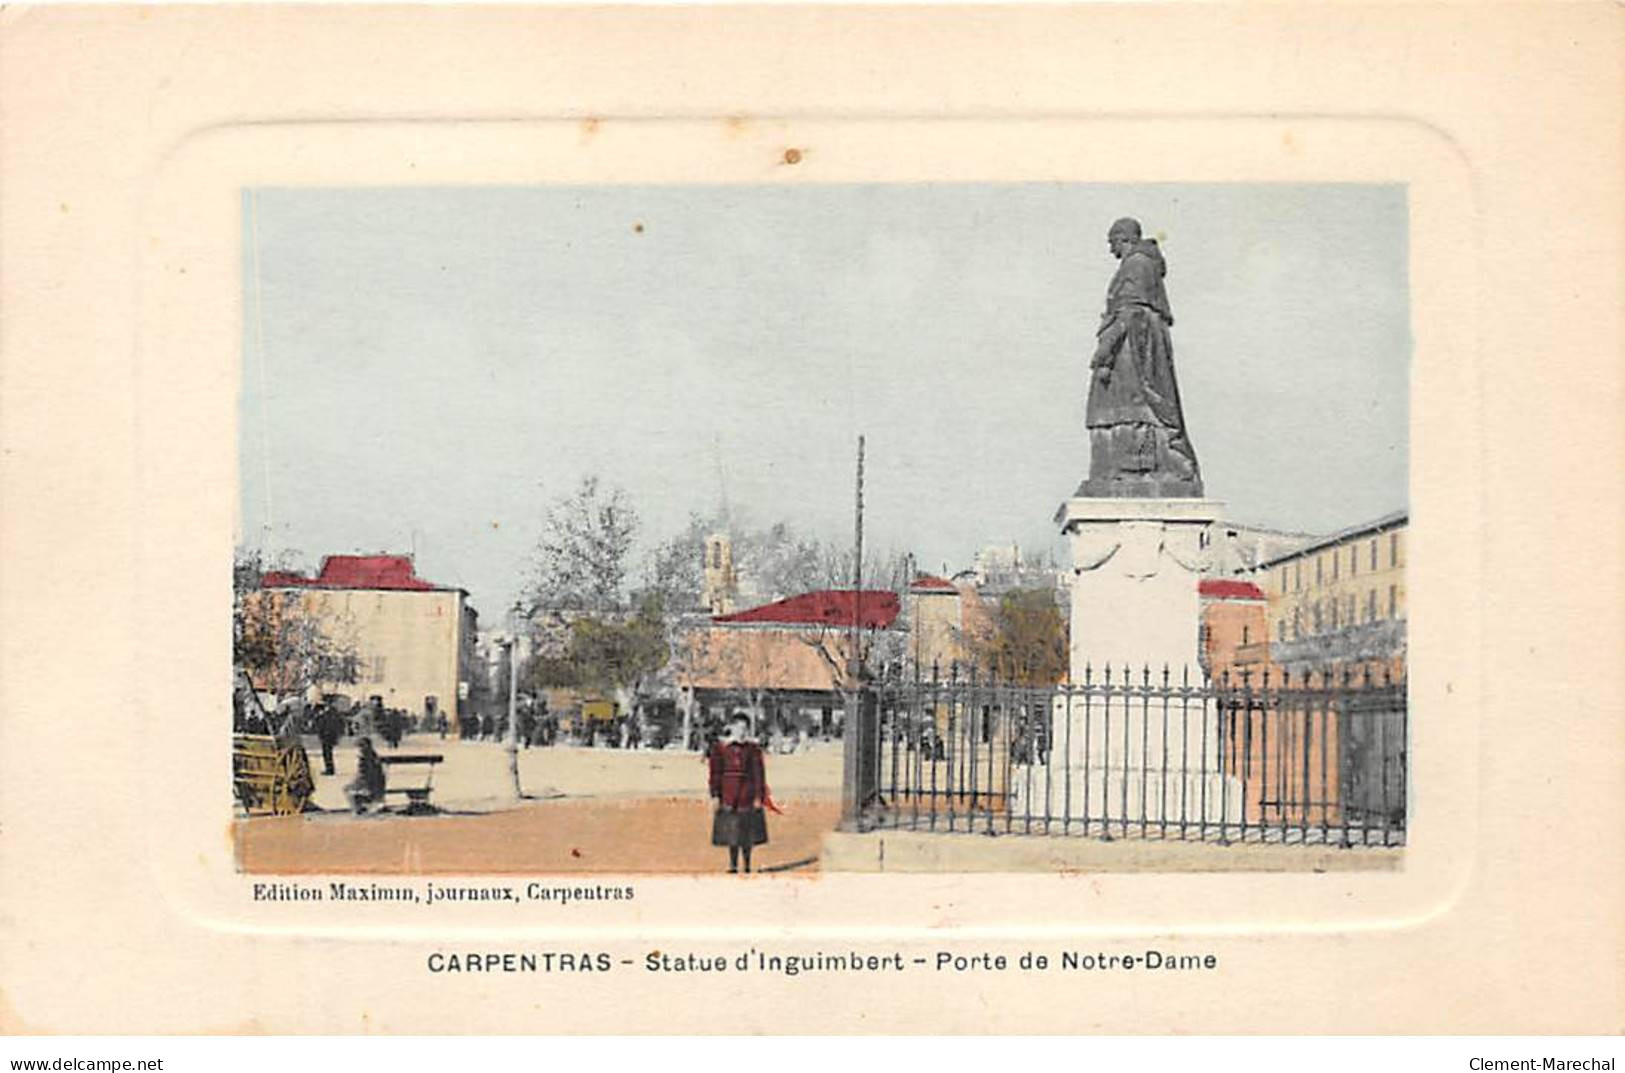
(852, 735)
(513, 710)
(857, 568)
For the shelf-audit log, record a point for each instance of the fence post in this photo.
(851, 765)
(860, 757)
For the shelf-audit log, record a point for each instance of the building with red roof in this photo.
(389, 572)
(412, 641)
(870, 609)
(1235, 625)
(785, 662)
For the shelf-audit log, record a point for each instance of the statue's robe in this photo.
(1138, 445)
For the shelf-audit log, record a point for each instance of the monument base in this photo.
(1136, 565)
(1113, 798)
(1117, 758)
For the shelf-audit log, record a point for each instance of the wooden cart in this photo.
(271, 774)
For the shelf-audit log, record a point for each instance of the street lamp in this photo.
(515, 619)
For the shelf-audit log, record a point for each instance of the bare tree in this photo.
(779, 563)
(878, 650)
(286, 639)
(774, 563)
(584, 552)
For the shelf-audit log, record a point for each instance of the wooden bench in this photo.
(417, 797)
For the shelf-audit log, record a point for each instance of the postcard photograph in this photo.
(781, 530)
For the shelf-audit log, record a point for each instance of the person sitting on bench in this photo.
(368, 786)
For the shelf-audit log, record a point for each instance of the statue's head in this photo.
(1123, 236)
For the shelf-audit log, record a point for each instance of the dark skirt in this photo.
(738, 827)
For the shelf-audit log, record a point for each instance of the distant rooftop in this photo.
(392, 572)
(1391, 520)
(876, 609)
(1228, 589)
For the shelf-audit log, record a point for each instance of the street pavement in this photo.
(607, 811)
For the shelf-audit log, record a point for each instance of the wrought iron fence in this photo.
(1138, 753)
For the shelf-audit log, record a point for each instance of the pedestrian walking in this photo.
(329, 729)
(739, 784)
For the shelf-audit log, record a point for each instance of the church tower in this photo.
(721, 586)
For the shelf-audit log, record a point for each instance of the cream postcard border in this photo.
(128, 134)
(194, 247)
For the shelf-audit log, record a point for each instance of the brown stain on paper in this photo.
(12, 1023)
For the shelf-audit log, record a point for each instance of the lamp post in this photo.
(514, 619)
(854, 733)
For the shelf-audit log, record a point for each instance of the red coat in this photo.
(738, 776)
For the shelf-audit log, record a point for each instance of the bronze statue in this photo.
(1137, 442)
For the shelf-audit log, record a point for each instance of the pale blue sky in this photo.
(438, 362)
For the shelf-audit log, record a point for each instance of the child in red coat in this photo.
(739, 784)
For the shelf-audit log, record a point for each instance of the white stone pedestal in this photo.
(1136, 565)
(1120, 759)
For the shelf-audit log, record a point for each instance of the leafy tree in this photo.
(617, 656)
(1028, 642)
(593, 640)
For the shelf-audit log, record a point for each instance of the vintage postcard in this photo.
(800, 554)
(666, 527)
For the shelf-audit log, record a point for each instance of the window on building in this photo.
(1283, 579)
(1393, 602)
(1280, 630)
(1320, 574)
(1371, 606)
(378, 664)
(1246, 635)
(1373, 553)
(1333, 612)
(1297, 577)
(1319, 618)
(1337, 562)
(1393, 549)
(1354, 562)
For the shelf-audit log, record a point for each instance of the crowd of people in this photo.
(331, 722)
